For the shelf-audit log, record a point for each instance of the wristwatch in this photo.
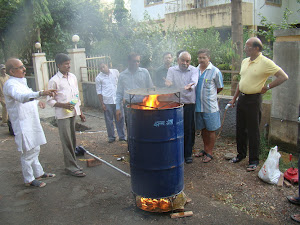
(268, 87)
(41, 92)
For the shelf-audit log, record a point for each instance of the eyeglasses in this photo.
(20, 67)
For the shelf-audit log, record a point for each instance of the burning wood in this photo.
(163, 204)
(154, 205)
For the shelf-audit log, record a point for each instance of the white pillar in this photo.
(40, 71)
(78, 67)
(78, 63)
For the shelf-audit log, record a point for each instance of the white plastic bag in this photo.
(270, 172)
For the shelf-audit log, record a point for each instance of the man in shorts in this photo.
(207, 114)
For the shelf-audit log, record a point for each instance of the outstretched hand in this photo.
(51, 93)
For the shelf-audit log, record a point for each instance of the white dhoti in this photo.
(31, 167)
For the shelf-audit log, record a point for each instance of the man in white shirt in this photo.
(185, 76)
(106, 87)
(67, 106)
(23, 112)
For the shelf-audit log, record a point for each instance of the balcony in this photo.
(204, 13)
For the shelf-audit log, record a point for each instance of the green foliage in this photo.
(102, 31)
(120, 12)
(269, 28)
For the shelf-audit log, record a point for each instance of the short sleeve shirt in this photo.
(255, 73)
(206, 91)
(106, 85)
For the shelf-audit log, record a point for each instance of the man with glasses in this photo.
(3, 78)
(185, 76)
(255, 70)
(23, 112)
(132, 78)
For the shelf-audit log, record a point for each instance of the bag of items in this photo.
(270, 172)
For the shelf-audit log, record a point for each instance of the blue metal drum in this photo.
(156, 151)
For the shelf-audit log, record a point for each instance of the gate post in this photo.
(286, 97)
(78, 67)
(78, 63)
(40, 71)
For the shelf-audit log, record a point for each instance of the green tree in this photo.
(7, 10)
(120, 12)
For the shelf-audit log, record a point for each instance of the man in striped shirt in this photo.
(207, 110)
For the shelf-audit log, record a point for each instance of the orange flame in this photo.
(150, 102)
(154, 205)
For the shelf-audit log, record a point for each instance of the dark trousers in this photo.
(189, 128)
(248, 116)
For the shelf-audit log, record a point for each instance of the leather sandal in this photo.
(293, 200)
(78, 173)
(36, 183)
(46, 175)
(207, 158)
(200, 154)
(296, 217)
(235, 160)
(251, 167)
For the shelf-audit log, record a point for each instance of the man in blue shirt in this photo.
(207, 110)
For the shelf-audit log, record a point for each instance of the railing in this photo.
(52, 68)
(93, 66)
(183, 5)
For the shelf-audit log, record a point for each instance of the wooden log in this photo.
(181, 214)
(286, 183)
(280, 180)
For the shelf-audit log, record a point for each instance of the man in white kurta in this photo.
(23, 112)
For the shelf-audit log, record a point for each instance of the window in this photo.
(273, 2)
(152, 2)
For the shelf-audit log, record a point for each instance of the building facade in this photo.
(213, 13)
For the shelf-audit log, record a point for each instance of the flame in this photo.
(154, 205)
(150, 102)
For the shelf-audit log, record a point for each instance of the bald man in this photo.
(22, 109)
(185, 76)
(255, 70)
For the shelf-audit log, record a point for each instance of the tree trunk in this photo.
(3, 48)
(237, 39)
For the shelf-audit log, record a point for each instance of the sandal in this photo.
(207, 158)
(235, 160)
(36, 183)
(200, 154)
(296, 217)
(78, 173)
(46, 175)
(293, 200)
(251, 167)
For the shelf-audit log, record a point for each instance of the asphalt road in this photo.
(102, 197)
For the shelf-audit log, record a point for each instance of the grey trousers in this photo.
(110, 116)
(66, 128)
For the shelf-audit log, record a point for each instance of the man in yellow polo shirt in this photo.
(255, 70)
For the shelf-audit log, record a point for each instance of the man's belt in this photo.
(242, 93)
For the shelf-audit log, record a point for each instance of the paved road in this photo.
(102, 197)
